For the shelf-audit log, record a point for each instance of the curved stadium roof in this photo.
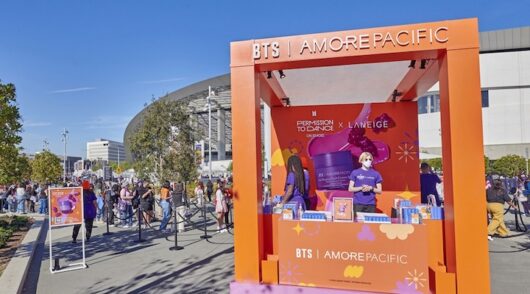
(195, 94)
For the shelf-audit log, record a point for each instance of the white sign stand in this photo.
(72, 266)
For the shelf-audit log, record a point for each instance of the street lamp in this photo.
(211, 95)
(64, 139)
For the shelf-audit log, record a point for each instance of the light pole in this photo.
(209, 103)
(64, 139)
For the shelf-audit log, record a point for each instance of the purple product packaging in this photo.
(333, 169)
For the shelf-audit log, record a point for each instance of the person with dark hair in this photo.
(146, 202)
(365, 182)
(90, 207)
(496, 197)
(164, 203)
(428, 181)
(295, 184)
(209, 190)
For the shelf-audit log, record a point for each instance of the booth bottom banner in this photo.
(388, 258)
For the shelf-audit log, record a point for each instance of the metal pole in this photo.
(118, 155)
(65, 136)
(176, 247)
(208, 99)
(526, 149)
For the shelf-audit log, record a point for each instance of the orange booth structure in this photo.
(321, 86)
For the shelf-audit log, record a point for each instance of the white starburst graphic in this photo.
(416, 279)
(406, 152)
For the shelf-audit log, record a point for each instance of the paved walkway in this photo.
(116, 264)
(119, 265)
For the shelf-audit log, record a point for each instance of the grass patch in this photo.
(9, 225)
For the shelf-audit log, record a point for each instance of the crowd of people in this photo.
(117, 202)
(23, 198)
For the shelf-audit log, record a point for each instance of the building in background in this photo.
(221, 120)
(70, 163)
(505, 82)
(105, 150)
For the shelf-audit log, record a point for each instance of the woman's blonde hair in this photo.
(364, 155)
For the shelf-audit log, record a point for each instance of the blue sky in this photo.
(90, 66)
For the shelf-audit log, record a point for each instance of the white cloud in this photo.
(37, 124)
(82, 89)
(161, 81)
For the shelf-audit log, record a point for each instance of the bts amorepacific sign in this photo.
(403, 38)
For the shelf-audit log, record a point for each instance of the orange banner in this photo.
(388, 258)
(66, 206)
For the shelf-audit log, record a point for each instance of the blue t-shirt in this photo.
(88, 202)
(297, 195)
(361, 177)
(428, 186)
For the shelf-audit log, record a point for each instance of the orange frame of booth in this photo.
(453, 49)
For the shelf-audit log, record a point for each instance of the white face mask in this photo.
(367, 163)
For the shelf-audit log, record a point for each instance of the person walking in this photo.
(496, 197)
(21, 199)
(220, 207)
(165, 194)
(126, 206)
(199, 193)
(209, 190)
(90, 207)
(43, 200)
(365, 182)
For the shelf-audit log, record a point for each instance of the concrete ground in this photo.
(116, 264)
(510, 260)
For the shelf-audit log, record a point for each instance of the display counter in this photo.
(391, 258)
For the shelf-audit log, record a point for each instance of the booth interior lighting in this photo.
(396, 94)
(423, 63)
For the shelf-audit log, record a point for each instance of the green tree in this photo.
(124, 165)
(487, 165)
(10, 128)
(435, 163)
(509, 165)
(96, 165)
(162, 146)
(46, 167)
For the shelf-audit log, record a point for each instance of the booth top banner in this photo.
(66, 206)
(406, 38)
